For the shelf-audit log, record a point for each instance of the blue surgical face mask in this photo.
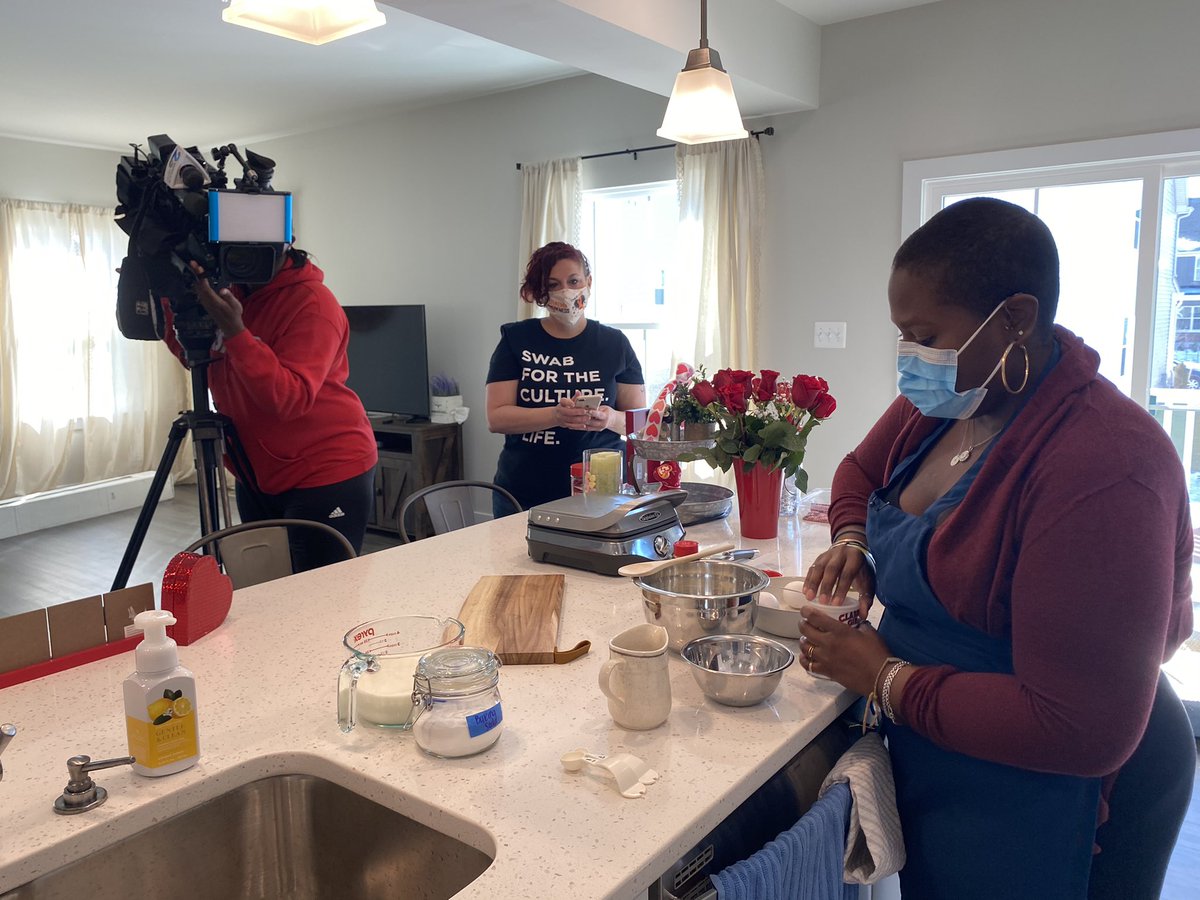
(928, 378)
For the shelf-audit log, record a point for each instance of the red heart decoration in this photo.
(197, 594)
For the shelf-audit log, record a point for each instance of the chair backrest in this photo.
(254, 552)
(449, 505)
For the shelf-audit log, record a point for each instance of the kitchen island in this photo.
(267, 705)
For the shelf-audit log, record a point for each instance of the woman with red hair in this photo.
(541, 370)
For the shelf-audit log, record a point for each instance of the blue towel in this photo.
(802, 863)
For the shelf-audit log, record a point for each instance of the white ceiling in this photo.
(104, 73)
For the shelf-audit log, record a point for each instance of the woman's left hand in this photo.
(849, 656)
(603, 417)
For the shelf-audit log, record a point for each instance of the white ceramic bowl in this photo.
(774, 616)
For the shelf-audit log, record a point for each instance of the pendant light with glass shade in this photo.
(702, 107)
(310, 21)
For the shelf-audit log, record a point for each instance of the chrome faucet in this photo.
(81, 793)
(7, 733)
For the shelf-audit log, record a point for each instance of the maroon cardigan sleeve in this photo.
(1100, 573)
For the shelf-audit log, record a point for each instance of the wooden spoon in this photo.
(634, 570)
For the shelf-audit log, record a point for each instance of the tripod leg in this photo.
(178, 429)
(205, 488)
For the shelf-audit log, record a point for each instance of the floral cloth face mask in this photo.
(928, 378)
(567, 305)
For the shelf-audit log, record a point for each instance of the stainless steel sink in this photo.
(292, 836)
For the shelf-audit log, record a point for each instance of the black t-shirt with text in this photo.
(536, 466)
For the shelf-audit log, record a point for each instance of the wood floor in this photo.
(81, 559)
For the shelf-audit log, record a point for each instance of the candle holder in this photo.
(602, 471)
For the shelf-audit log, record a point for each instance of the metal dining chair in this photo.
(449, 505)
(254, 552)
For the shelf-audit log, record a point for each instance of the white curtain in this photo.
(551, 205)
(78, 401)
(721, 210)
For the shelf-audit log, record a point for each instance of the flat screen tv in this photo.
(389, 360)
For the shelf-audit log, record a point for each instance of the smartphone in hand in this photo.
(591, 401)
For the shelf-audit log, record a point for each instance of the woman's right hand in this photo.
(568, 415)
(839, 570)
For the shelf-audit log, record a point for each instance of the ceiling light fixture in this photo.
(310, 21)
(702, 107)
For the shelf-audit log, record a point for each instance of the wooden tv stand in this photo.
(412, 455)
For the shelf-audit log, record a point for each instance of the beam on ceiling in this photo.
(771, 52)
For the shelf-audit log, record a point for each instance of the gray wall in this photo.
(57, 174)
(424, 207)
(954, 77)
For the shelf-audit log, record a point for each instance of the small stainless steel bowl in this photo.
(737, 669)
(704, 596)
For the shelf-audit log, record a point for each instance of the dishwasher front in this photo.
(773, 808)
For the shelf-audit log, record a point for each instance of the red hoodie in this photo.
(283, 383)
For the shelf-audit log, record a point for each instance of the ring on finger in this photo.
(809, 653)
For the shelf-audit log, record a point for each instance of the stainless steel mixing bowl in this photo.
(737, 669)
(704, 596)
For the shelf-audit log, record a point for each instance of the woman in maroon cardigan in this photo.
(1026, 527)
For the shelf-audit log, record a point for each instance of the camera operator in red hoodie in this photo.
(278, 371)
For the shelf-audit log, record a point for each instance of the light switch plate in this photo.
(829, 335)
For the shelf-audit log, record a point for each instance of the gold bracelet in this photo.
(857, 545)
(852, 530)
(875, 684)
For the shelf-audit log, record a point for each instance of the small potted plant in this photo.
(696, 421)
(445, 398)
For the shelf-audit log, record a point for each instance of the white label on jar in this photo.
(483, 722)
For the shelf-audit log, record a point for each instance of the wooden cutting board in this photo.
(517, 617)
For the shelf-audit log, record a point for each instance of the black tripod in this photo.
(212, 436)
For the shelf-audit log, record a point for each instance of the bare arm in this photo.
(629, 396)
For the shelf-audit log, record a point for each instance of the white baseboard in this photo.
(62, 506)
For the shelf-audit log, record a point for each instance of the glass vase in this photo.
(758, 500)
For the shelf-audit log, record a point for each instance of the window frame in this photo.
(1152, 158)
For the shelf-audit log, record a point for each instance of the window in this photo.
(629, 236)
(1122, 289)
(85, 403)
(1095, 227)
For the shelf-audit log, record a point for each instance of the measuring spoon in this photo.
(636, 570)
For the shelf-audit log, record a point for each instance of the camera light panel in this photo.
(238, 216)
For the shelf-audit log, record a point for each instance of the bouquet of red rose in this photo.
(763, 420)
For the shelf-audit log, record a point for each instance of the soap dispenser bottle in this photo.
(160, 702)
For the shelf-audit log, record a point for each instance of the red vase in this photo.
(758, 500)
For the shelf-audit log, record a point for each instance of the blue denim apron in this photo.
(972, 829)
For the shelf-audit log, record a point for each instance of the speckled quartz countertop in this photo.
(266, 700)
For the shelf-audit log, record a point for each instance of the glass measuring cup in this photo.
(375, 685)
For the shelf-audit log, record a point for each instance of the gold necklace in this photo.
(964, 452)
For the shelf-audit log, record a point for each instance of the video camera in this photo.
(176, 208)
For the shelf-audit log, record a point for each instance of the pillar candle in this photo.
(605, 467)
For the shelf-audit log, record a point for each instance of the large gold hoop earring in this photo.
(1004, 369)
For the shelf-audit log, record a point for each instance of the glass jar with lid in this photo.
(456, 696)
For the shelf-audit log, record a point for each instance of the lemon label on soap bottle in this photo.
(170, 734)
